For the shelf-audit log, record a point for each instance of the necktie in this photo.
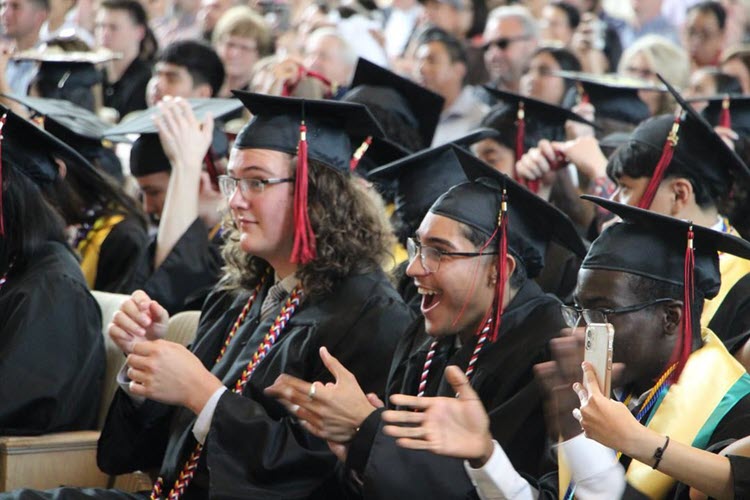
(276, 294)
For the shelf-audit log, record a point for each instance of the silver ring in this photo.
(311, 392)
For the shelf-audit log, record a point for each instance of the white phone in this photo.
(598, 351)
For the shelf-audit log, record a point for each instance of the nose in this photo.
(237, 200)
(415, 268)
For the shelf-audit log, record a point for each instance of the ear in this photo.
(682, 194)
(460, 69)
(203, 90)
(62, 168)
(510, 267)
(672, 318)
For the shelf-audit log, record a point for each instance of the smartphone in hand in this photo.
(598, 352)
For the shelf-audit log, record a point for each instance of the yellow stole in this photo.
(732, 269)
(709, 387)
(398, 251)
(90, 247)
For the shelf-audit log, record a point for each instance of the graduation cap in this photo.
(511, 217)
(731, 111)
(32, 151)
(417, 106)
(477, 135)
(378, 153)
(310, 129)
(523, 122)
(689, 140)
(614, 96)
(668, 250)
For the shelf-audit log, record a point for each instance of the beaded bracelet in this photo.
(659, 453)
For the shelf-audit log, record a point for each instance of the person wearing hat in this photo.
(176, 168)
(689, 180)
(653, 304)
(471, 259)
(299, 276)
(52, 361)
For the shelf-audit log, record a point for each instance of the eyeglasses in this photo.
(642, 73)
(502, 43)
(430, 257)
(573, 314)
(227, 185)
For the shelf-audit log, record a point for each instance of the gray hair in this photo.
(518, 12)
(348, 54)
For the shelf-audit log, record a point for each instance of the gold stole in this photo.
(732, 269)
(397, 250)
(90, 246)
(692, 408)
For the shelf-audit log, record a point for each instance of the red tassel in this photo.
(685, 346)
(661, 167)
(304, 238)
(359, 153)
(2, 215)
(725, 117)
(502, 274)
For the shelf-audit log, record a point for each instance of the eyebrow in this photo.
(246, 168)
(432, 240)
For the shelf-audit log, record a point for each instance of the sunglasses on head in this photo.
(503, 42)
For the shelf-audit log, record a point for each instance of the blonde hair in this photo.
(244, 22)
(666, 58)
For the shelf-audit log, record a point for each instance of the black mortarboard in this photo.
(309, 129)
(420, 179)
(477, 135)
(732, 111)
(331, 127)
(31, 151)
(690, 141)
(614, 96)
(508, 214)
(662, 248)
(417, 106)
(380, 152)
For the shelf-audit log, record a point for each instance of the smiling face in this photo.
(457, 281)
(265, 220)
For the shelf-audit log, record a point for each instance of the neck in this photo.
(451, 96)
(27, 42)
(117, 67)
(237, 81)
(283, 268)
(703, 217)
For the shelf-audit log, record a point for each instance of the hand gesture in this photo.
(331, 411)
(168, 372)
(139, 319)
(456, 427)
(540, 163)
(586, 155)
(603, 419)
(185, 139)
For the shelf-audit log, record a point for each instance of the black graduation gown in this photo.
(51, 347)
(254, 449)
(121, 253)
(185, 278)
(740, 475)
(504, 381)
(731, 322)
(129, 92)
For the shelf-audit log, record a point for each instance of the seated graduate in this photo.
(175, 162)
(480, 311)
(663, 384)
(51, 346)
(299, 276)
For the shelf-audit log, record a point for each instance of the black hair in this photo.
(454, 47)
(725, 84)
(199, 59)
(41, 4)
(480, 12)
(567, 60)
(570, 11)
(30, 221)
(479, 239)
(148, 46)
(714, 8)
(637, 160)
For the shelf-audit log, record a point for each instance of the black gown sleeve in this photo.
(740, 475)
(192, 267)
(51, 355)
(120, 254)
(731, 322)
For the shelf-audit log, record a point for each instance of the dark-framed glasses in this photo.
(228, 184)
(430, 257)
(573, 314)
(503, 43)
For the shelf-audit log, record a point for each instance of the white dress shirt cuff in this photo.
(203, 422)
(498, 479)
(124, 382)
(594, 468)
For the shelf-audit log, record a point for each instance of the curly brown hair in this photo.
(351, 235)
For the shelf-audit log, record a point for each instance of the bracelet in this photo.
(659, 454)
